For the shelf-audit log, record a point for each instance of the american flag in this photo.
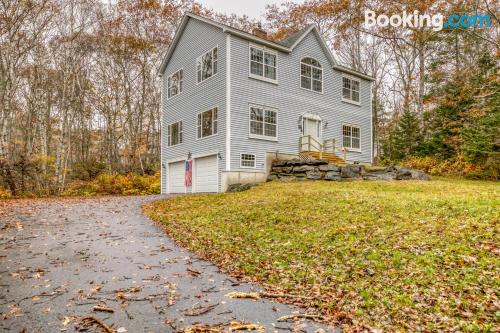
(188, 174)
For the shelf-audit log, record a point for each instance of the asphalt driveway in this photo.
(59, 258)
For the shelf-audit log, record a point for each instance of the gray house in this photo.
(234, 101)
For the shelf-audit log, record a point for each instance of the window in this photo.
(262, 63)
(247, 161)
(174, 134)
(207, 123)
(351, 137)
(174, 83)
(350, 89)
(263, 122)
(206, 65)
(311, 75)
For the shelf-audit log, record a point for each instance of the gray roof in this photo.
(285, 45)
(294, 37)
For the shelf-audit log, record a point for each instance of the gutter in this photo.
(257, 40)
(353, 72)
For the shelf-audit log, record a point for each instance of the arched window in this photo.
(311, 75)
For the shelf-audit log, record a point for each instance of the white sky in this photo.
(251, 8)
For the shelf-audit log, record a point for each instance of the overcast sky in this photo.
(251, 8)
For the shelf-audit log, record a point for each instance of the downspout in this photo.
(162, 166)
(228, 101)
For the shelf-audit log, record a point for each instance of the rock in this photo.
(272, 177)
(284, 163)
(303, 168)
(300, 175)
(379, 175)
(419, 175)
(313, 175)
(316, 162)
(283, 169)
(286, 178)
(403, 173)
(284, 175)
(240, 187)
(395, 173)
(297, 162)
(332, 175)
(352, 171)
(280, 163)
(329, 167)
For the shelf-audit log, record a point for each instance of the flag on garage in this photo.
(188, 174)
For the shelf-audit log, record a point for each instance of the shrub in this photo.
(5, 194)
(457, 166)
(116, 184)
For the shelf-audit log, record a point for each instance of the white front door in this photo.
(205, 174)
(312, 127)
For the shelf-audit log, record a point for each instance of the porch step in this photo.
(315, 155)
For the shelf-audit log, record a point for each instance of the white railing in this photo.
(310, 143)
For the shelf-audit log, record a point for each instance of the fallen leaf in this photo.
(236, 294)
(67, 320)
(236, 326)
(202, 328)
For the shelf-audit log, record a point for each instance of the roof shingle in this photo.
(291, 39)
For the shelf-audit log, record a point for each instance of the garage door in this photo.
(176, 177)
(206, 176)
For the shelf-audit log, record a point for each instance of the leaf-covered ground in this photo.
(406, 255)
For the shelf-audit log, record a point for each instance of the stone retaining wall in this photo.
(320, 170)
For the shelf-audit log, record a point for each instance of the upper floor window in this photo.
(351, 137)
(174, 133)
(262, 63)
(350, 89)
(174, 83)
(206, 65)
(207, 123)
(263, 122)
(311, 75)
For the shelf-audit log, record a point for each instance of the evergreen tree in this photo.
(407, 137)
(481, 137)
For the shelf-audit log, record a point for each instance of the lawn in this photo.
(398, 256)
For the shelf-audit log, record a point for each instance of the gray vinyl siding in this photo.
(292, 101)
(197, 38)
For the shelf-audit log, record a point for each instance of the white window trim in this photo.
(168, 88)
(196, 64)
(322, 76)
(355, 150)
(262, 137)
(248, 167)
(169, 134)
(265, 50)
(218, 127)
(342, 90)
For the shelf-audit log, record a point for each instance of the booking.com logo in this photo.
(417, 20)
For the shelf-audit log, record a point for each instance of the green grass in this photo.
(401, 256)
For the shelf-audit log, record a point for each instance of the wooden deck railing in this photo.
(310, 143)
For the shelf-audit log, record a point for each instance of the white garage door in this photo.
(206, 176)
(176, 177)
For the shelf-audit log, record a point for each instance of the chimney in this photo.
(259, 32)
